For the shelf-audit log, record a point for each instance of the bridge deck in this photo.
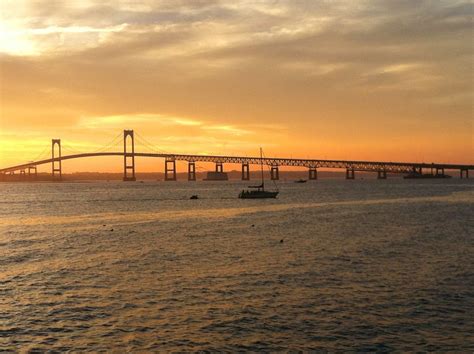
(391, 167)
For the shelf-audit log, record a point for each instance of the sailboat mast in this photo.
(261, 166)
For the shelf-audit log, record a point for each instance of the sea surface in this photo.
(331, 264)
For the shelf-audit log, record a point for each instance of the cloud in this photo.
(321, 70)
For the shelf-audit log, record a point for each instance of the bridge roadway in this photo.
(372, 166)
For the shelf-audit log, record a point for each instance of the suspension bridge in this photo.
(55, 159)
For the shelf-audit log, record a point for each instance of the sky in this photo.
(358, 80)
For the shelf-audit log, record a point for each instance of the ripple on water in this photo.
(364, 266)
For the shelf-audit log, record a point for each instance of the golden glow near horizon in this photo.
(368, 80)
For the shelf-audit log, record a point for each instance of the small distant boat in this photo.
(258, 192)
(194, 197)
(300, 180)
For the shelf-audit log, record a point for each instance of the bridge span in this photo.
(129, 154)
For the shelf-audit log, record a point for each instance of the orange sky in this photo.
(367, 80)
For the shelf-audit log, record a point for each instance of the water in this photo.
(364, 265)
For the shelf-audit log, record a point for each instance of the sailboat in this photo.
(258, 192)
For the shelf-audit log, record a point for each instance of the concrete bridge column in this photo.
(128, 157)
(381, 174)
(274, 173)
(464, 173)
(313, 173)
(245, 171)
(219, 167)
(34, 169)
(439, 171)
(56, 166)
(170, 169)
(191, 171)
(350, 173)
(418, 170)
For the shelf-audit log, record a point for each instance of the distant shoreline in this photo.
(285, 176)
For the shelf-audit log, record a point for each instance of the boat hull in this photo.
(257, 195)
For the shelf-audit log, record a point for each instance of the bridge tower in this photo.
(128, 157)
(56, 166)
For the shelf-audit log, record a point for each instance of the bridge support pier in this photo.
(34, 169)
(381, 174)
(56, 166)
(274, 173)
(170, 169)
(219, 167)
(312, 173)
(350, 173)
(439, 171)
(245, 172)
(191, 171)
(418, 170)
(128, 157)
(464, 173)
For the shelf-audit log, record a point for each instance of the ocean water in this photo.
(362, 265)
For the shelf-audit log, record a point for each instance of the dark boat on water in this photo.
(300, 180)
(258, 192)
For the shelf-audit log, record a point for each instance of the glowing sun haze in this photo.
(369, 79)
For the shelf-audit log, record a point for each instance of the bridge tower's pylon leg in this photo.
(245, 171)
(312, 173)
(464, 172)
(381, 174)
(170, 169)
(350, 173)
(56, 164)
(191, 171)
(129, 156)
(219, 167)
